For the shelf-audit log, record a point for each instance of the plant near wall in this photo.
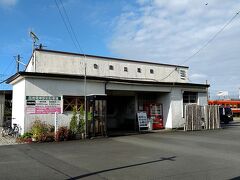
(81, 122)
(74, 123)
(25, 138)
(39, 130)
(62, 134)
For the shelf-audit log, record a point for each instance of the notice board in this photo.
(43, 104)
(142, 120)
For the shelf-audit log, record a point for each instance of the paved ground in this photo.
(6, 140)
(168, 155)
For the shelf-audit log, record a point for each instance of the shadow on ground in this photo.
(123, 167)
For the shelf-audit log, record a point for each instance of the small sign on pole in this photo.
(142, 120)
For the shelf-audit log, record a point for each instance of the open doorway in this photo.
(121, 114)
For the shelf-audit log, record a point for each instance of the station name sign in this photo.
(43, 104)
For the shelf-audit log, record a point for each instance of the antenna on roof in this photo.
(34, 38)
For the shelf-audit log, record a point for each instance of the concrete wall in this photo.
(202, 99)
(56, 87)
(49, 62)
(18, 104)
(165, 100)
(177, 108)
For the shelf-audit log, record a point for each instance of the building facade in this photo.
(61, 80)
(5, 107)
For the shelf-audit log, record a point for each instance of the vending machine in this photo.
(155, 114)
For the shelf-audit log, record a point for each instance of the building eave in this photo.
(18, 76)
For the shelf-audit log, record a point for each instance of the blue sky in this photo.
(165, 31)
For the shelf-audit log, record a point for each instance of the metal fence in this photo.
(201, 117)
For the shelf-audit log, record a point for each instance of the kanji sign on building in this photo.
(43, 104)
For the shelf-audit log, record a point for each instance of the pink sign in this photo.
(43, 105)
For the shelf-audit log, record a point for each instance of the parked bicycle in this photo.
(10, 131)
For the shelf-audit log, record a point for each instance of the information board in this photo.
(142, 119)
(43, 104)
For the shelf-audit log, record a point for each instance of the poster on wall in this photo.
(43, 104)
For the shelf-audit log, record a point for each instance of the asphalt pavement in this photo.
(212, 154)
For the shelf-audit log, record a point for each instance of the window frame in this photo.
(111, 67)
(72, 101)
(139, 70)
(95, 66)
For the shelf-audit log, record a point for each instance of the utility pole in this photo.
(207, 91)
(85, 96)
(17, 61)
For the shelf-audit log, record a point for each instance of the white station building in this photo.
(56, 81)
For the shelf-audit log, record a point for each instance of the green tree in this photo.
(74, 121)
(81, 122)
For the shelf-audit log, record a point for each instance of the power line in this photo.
(71, 27)
(66, 25)
(73, 35)
(7, 69)
(206, 44)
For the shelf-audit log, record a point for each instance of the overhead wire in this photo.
(8, 66)
(205, 45)
(66, 25)
(71, 27)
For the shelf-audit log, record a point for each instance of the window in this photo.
(182, 74)
(111, 67)
(139, 70)
(151, 71)
(95, 66)
(189, 97)
(70, 101)
(125, 69)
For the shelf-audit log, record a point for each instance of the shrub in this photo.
(26, 135)
(81, 122)
(74, 121)
(25, 138)
(62, 134)
(39, 130)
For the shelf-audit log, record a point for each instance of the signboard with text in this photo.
(43, 104)
(142, 119)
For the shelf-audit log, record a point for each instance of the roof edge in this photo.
(72, 76)
(106, 57)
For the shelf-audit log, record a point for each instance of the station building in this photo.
(56, 81)
(5, 107)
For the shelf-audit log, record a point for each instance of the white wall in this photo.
(18, 104)
(177, 108)
(202, 99)
(57, 87)
(50, 62)
(165, 100)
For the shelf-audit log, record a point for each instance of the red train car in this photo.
(233, 104)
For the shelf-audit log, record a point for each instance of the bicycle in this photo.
(9, 131)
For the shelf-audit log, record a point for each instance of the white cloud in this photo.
(171, 31)
(8, 3)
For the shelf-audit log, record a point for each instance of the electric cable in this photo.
(71, 27)
(205, 45)
(65, 23)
